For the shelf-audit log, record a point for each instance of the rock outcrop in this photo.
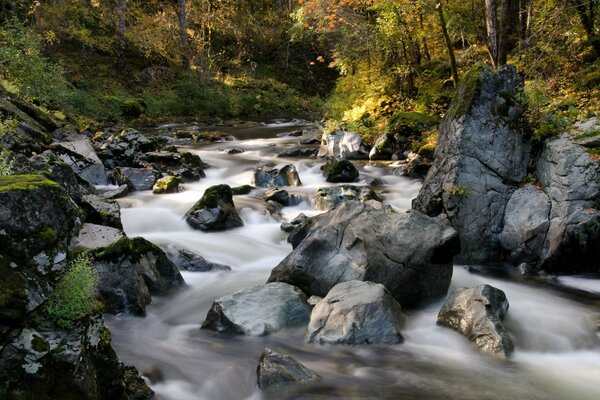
(259, 310)
(477, 313)
(275, 370)
(356, 313)
(410, 253)
(215, 211)
(82, 158)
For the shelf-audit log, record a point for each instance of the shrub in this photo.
(74, 295)
(6, 166)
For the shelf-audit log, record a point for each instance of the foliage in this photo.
(7, 125)
(6, 165)
(74, 295)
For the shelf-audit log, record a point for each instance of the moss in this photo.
(427, 150)
(411, 123)
(468, 89)
(24, 182)
(12, 291)
(39, 344)
(240, 190)
(168, 184)
(590, 134)
(460, 191)
(135, 247)
(192, 160)
(47, 235)
(213, 195)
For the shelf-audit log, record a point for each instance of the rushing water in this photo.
(556, 334)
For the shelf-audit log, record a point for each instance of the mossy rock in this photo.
(168, 184)
(427, 151)
(25, 182)
(468, 90)
(215, 211)
(241, 190)
(340, 171)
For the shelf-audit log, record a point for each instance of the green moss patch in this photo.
(468, 89)
(24, 182)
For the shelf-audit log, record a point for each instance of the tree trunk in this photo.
(491, 23)
(185, 42)
(426, 54)
(440, 10)
(121, 29)
(585, 9)
(504, 32)
(410, 89)
(523, 19)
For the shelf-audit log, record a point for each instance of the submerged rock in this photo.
(301, 152)
(259, 310)
(272, 178)
(477, 314)
(340, 171)
(189, 261)
(354, 313)
(215, 211)
(276, 370)
(409, 253)
(328, 198)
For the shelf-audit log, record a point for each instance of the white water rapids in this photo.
(557, 353)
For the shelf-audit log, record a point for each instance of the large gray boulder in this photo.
(275, 370)
(215, 211)
(258, 310)
(343, 145)
(273, 177)
(92, 236)
(101, 211)
(328, 198)
(477, 313)
(82, 158)
(136, 178)
(480, 160)
(355, 313)
(409, 253)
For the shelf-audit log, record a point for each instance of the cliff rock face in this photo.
(480, 160)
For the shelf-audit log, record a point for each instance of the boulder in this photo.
(129, 270)
(242, 190)
(136, 178)
(259, 310)
(189, 261)
(215, 211)
(187, 167)
(301, 152)
(477, 313)
(121, 191)
(78, 363)
(571, 178)
(409, 253)
(343, 144)
(282, 197)
(414, 166)
(289, 227)
(168, 184)
(481, 159)
(119, 149)
(25, 139)
(92, 236)
(286, 176)
(384, 148)
(354, 313)
(328, 198)
(340, 171)
(82, 158)
(101, 212)
(38, 226)
(275, 370)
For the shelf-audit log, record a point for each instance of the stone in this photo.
(384, 148)
(117, 193)
(481, 159)
(343, 145)
(413, 167)
(136, 178)
(189, 261)
(168, 184)
(82, 158)
(129, 270)
(477, 313)
(259, 310)
(100, 211)
(355, 313)
(38, 226)
(242, 190)
(340, 171)
(271, 178)
(409, 253)
(282, 197)
(275, 370)
(328, 198)
(215, 211)
(24, 139)
(119, 149)
(299, 153)
(185, 166)
(92, 236)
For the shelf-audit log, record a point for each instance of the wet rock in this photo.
(117, 193)
(481, 159)
(384, 148)
(299, 153)
(82, 158)
(414, 166)
(168, 184)
(259, 310)
(310, 140)
(328, 198)
(119, 149)
(282, 197)
(186, 166)
(241, 190)
(355, 313)
(78, 363)
(38, 226)
(314, 300)
(92, 236)
(276, 370)
(101, 212)
(340, 171)
(187, 260)
(409, 253)
(235, 150)
(343, 145)
(136, 178)
(286, 176)
(300, 227)
(215, 211)
(477, 314)
(129, 271)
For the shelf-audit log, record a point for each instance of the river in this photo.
(557, 353)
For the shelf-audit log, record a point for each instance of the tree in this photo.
(121, 26)
(440, 11)
(183, 34)
(587, 11)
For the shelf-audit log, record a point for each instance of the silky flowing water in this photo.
(557, 353)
